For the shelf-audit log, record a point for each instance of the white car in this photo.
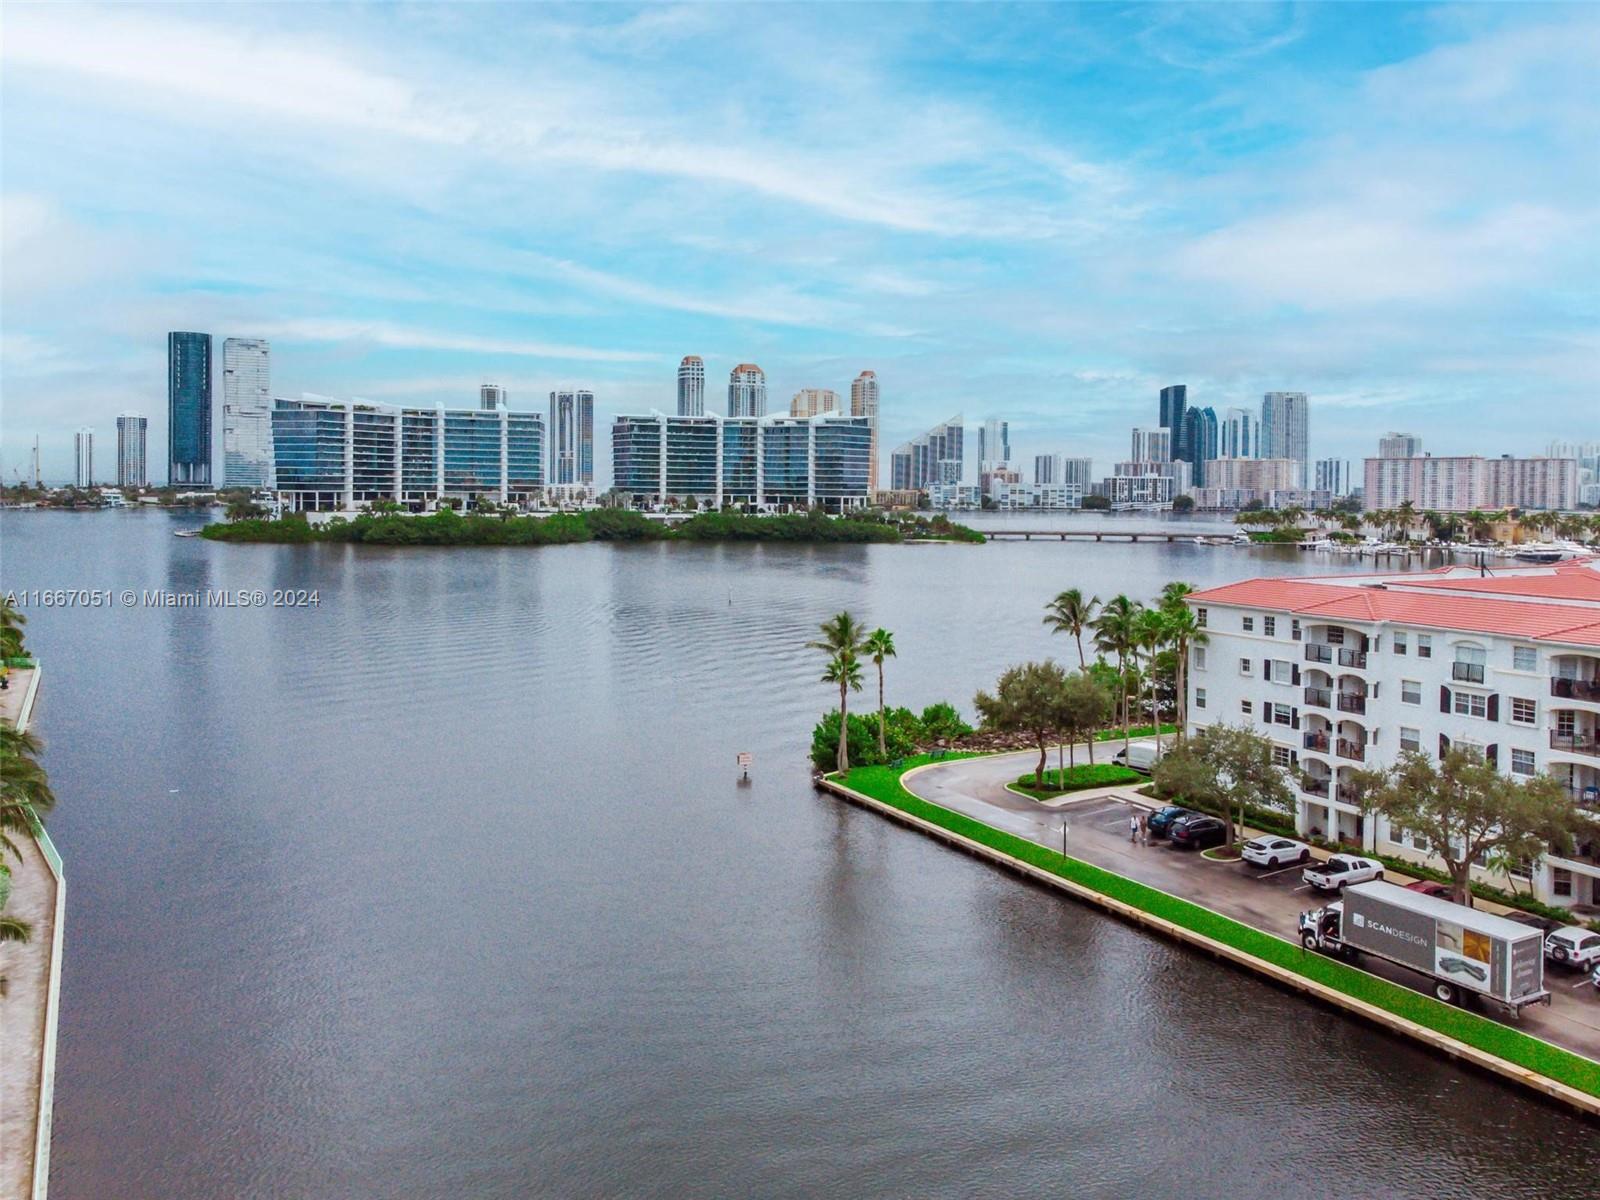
(1573, 946)
(1270, 850)
(1340, 871)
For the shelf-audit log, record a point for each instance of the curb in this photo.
(1582, 1102)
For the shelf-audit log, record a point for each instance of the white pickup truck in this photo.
(1340, 871)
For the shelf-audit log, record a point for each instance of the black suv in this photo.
(1161, 820)
(1198, 832)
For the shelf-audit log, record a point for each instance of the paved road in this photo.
(1097, 832)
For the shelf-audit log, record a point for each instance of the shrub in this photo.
(943, 721)
(1077, 779)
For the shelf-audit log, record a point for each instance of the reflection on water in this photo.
(447, 887)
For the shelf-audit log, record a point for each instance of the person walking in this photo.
(1133, 826)
(1144, 829)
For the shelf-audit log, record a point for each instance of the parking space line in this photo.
(1280, 871)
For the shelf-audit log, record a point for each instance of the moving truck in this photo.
(1464, 951)
(1141, 756)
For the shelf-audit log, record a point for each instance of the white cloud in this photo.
(397, 337)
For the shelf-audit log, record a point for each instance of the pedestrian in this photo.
(1133, 826)
(1144, 829)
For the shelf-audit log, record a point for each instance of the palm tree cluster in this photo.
(1133, 633)
(24, 791)
(846, 642)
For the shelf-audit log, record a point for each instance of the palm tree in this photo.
(1115, 632)
(842, 636)
(1070, 613)
(13, 930)
(24, 789)
(879, 645)
(1151, 633)
(1185, 631)
(11, 623)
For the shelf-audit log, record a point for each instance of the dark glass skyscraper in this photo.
(189, 409)
(1200, 438)
(1174, 400)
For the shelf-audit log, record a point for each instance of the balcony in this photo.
(1466, 672)
(1356, 751)
(1352, 702)
(1576, 743)
(1314, 787)
(1576, 689)
(1349, 657)
(1318, 652)
(1315, 741)
(1319, 697)
(1347, 795)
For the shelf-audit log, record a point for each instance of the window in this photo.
(1246, 707)
(1410, 692)
(1335, 635)
(1279, 671)
(1279, 714)
(1524, 658)
(1469, 664)
(1244, 666)
(1410, 739)
(1199, 697)
(1560, 881)
(1199, 658)
(1281, 756)
(1522, 762)
(1471, 704)
(1249, 624)
(1399, 640)
(1200, 617)
(1473, 748)
(1424, 646)
(1269, 626)
(1294, 628)
(1523, 712)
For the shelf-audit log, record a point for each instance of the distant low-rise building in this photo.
(1013, 494)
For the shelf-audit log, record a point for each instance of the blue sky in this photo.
(1037, 212)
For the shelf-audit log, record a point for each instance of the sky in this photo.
(1042, 213)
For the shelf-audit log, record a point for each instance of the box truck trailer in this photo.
(1464, 951)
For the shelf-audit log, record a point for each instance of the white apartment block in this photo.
(1011, 494)
(1462, 483)
(1255, 474)
(1345, 672)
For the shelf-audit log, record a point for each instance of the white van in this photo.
(1141, 756)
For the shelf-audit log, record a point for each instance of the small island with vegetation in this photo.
(389, 526)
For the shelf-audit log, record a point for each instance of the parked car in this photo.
(1429, 887)
(1573, 946)
(1198, 832)
(1141, 756)
(1533, 920)
(1340, 871)
(1595, 979)
(1272, 851)
(1161, 820)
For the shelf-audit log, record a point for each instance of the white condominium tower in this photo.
(1399, 445)
(994, 442)
(864, 403)
(808, 402)
(747, 391)
(571, 437)
(1284, 427)
(83, 445)
(1239, 434)
(490, 397)
(1150, 445)
(132, 470)
(692, 386)
(246, 413)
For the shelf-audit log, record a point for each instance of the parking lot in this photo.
(1272, 900)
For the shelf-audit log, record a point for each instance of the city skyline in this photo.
(1331, 246)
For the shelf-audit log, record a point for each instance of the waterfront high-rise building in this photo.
(1199, 441)
(490, 397)
(864, 403)
(189, 410)
(1332, 475)
(808, 402)
(1046, 468)
(334, 455)
(1461, 483)
(994, 443)
(747, 391)
(1285, 429)
(132, 468)
(938, 456)
(246, 413)
(765, 462)
(1174, 402)
(571, 437)
(1151, 445)
(1399, 445)
(1239, 434)
(691, 386)
(83, 448)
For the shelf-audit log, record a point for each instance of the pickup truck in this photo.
(1340, 871)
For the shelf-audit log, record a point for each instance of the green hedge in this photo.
(1512, 1045)
(1077, 779)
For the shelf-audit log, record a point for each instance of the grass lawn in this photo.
(882, 783)
(1076, 779)
(1138, 731)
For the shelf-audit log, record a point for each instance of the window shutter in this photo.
(1444, 745)
(1294, 674)
(1266, 712)
(1294, 758)
(1266, 669)
(1494, 707)
(1294, 718)
(1373, 691)
(1444, 699)
(1493, 755)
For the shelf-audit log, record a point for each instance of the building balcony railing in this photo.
(1315, 741)
(1356, 751)
(1577, 743)
(1466, 672)
(1318, 652)
(1349, 657)
(1314, 787)
(1347, 795)
(1576, 689)
(1585, 797)
(1317, 697)
(1352, 702)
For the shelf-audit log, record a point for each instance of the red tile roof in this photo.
(1582, 584)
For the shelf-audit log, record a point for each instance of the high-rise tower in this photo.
(692, 386)
(864, 403)
(132, 470)
(1285, 428)
(246, 413)
(189, 409)
(747, 391)
(572, 437)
